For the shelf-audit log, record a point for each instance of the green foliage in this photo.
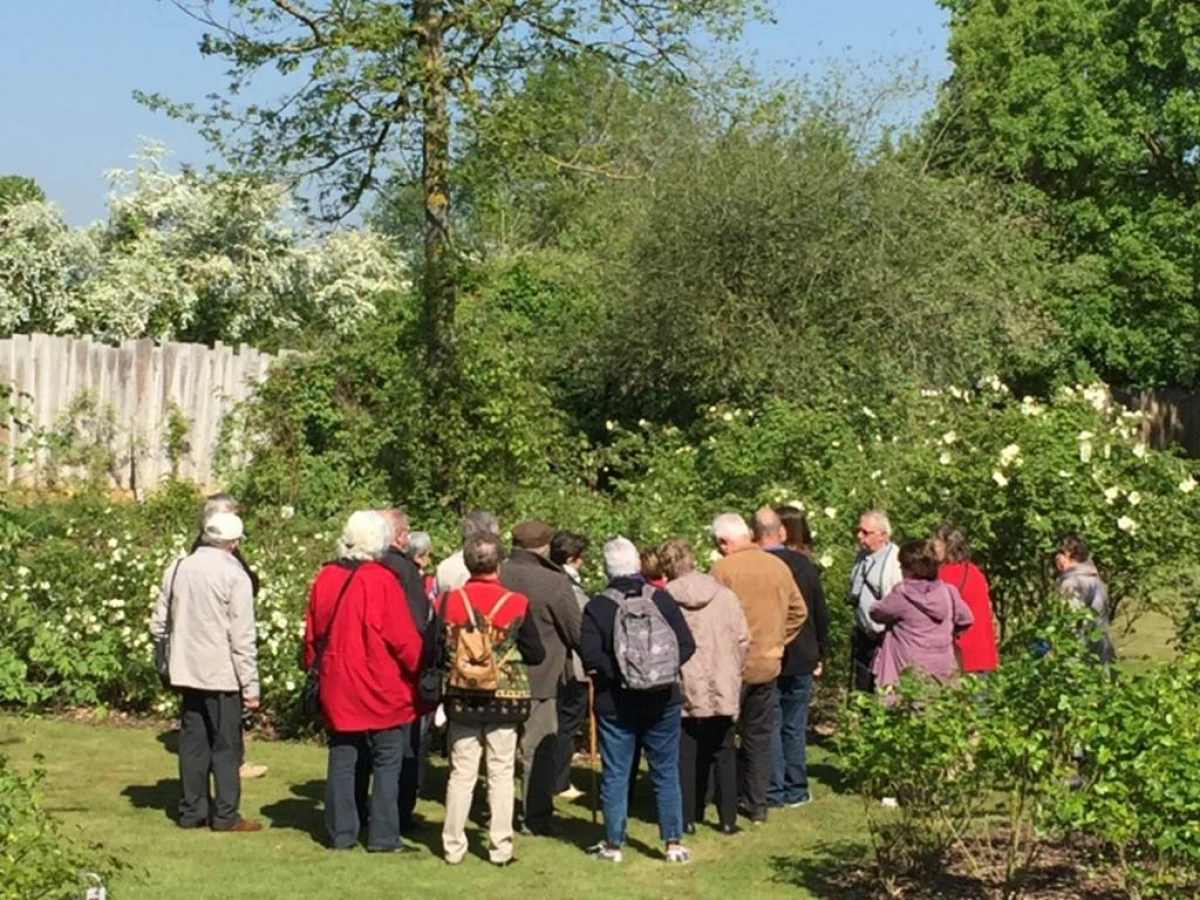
(83, 442)
(1090, 106)
(15, 189)
(37, 860)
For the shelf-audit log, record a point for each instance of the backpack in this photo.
(474, 666)
(645, 644)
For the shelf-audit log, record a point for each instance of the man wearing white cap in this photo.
(203, 625)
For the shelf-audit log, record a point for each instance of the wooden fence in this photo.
(1171, 417)
(135, 385)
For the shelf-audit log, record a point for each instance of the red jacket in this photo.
(977, 645)
(370, 668)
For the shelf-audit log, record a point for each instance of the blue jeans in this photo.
(789, 742)
(349, 754)
(659, 735)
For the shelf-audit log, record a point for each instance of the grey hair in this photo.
(730, 526)
(217, 503)
(882, 522)
(482, 554)
(419, 543)
(621, 558)
(479, 521)
(367, 534)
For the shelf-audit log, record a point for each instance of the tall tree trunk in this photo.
(438, 287)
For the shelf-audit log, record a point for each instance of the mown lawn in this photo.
(117, 785)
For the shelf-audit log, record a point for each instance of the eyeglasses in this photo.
(867, 531)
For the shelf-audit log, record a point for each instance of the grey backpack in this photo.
(644, 642)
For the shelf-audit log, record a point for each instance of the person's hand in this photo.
(819, 670)
(252, 703)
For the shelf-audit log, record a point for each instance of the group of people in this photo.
(709, 676)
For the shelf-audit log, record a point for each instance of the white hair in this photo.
(730, 527)
(368, 533)
(882, 522)
(419, 543)
(621, 558)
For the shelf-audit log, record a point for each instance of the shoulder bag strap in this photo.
(324, 642)
(171, 595)
(499, 604)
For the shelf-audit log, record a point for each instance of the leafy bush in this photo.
(36, 859)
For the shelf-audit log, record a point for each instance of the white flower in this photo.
(944, 459)
(826, 560)
(1098, 396)
(1134, 498)
(1063, 473)
(289, 685)
(1085, 436)
(642, 423)
(831, 512)
(112, 543)
(949, 438)
(868, 413)
(1188, 485)
(1000, 478)
(728, 417)
(286, 512)
(116, 603)
(1030, 407)
(1127, 524)
(1111, 494)
(957, 393)
(930, 392)
(1139, 450)
(877, 474)
(22, 572)
(610, 425)
(1009, 455)
(1085, 451)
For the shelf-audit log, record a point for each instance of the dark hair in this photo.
(566, 546)
(795, 526)
(1074, 547)
(482, 554)
(954, 541)
(918, 560)
(677, 558)
(651, 564)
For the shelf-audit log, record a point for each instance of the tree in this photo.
(388, 83)
(1092, 107)
(16, 189)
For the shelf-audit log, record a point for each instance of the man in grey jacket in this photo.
(876, 571)
(553, 607)
(204, 628)
(1079, 581)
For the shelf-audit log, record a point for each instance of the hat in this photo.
(225, 526)
(528, 535)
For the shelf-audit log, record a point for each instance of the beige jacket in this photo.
(712, 678)
(205, 614)
(774, 607)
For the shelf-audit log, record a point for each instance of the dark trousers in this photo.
(754, 755)
(572, 713)
(210, 744)
(345, 784)
(789, 743)
(412, 769)
(863, 648)
(707, 746)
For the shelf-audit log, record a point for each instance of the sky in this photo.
(69, 68)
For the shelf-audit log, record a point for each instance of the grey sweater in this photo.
(205, 615)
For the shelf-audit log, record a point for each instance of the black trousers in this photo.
(706, 746)
(863, 648)
(210, 745)
(572, 714)
(412, 770)
(754, 755)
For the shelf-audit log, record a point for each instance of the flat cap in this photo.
(529, 535)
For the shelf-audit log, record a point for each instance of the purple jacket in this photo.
(921, 618)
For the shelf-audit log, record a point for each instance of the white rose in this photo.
(1188, 485)
(949, 438)
(826, 560)
(1139, 450)
(1134, 498)
(1111, 494)
(1085, 452)
(831, 512)
(728, 417)
(868, 413)
(944, 459)
(286, 512)
(1127, 524)
(1009, 455)
(1000, 478)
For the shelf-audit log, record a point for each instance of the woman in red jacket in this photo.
(977, 645)
(368, 686)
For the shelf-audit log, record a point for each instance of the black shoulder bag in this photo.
(429, 686)
(311, 698)
(162, 648)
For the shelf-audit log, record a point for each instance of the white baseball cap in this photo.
(225, 526)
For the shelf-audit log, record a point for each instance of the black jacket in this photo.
(553, 609)
(412, 583)
(802, 655)
(596, 646)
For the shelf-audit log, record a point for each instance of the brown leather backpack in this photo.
(475, 667)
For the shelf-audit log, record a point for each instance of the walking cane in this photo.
(592, 743)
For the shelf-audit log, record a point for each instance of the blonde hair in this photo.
(677, 558)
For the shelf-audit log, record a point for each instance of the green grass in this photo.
(117, 785)
(1146, 644)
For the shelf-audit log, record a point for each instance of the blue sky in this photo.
(69, 66)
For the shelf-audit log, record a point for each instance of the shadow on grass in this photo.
(163, 795)
(300, 812)
(831, 871)
(829, 776)
(169, 740)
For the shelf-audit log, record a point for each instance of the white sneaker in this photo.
(605, 853)
(252, 770)
(677, 853)
(571, 793)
